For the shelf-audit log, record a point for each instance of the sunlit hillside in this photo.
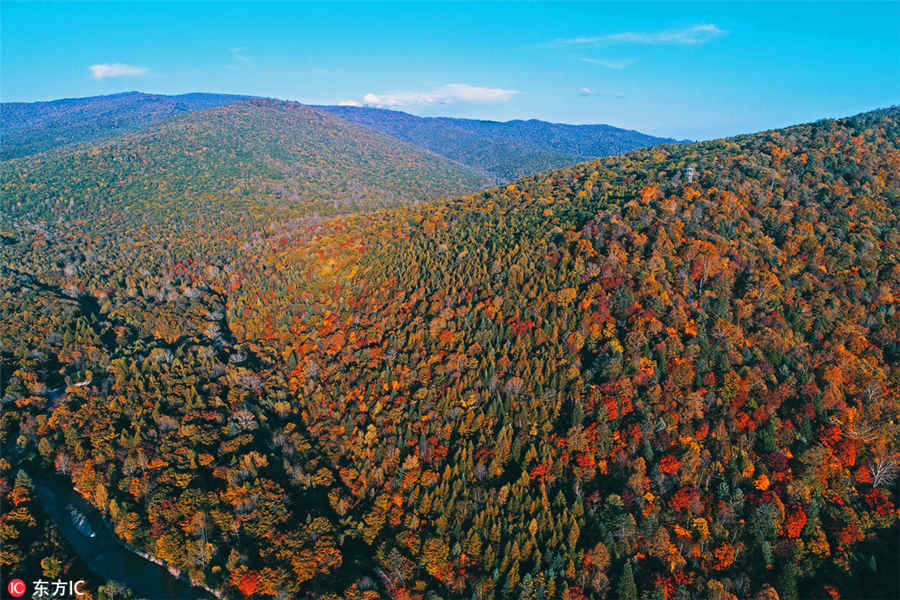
(249, 159)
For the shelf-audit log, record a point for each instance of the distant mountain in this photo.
(253, 155)
(502, 150)
(32, 127)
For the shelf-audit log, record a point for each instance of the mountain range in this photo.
(502, 150)
(498, 151)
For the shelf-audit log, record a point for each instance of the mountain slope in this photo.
(504, 150)
(253, 156)
(607, 370)
(33, 127)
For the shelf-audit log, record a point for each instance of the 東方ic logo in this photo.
(57, 589)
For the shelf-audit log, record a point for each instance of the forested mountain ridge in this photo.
(503, 150)
(33, 127)
(604, 381)
(251, 155)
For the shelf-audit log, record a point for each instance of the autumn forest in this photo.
(286, 354)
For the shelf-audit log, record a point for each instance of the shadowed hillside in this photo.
(33, 127)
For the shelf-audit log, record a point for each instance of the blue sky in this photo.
(683, 70)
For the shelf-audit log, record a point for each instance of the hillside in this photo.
(603, 381)
(33, 127)
(256, 159)
(607, 378)
(503, 150)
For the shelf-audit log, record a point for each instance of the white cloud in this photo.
(471, 93)
(698, 34)
(447, 94)
(589, 92)
(116, 70)
(617, 64)
(238, 55)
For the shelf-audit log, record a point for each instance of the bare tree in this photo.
(884, 472)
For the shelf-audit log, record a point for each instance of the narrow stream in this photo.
(104, 554)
